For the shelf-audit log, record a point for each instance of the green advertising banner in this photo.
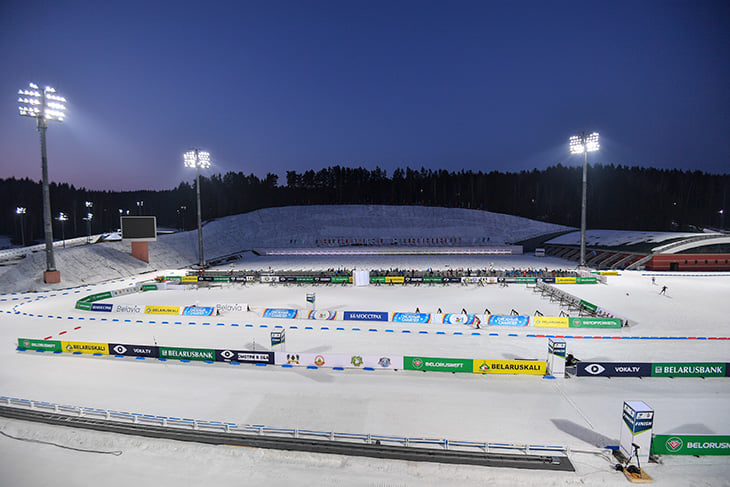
(684, 369)
(587, 305)
(30, 344)
(187, 353)
(432, 279)
(526, 279)
(690, 445)
(149, 287)
(438, 364)
(84, 305)
(340, 279)
(594, 322)
(222, 278)
(380, 279)
(305, 278)
(586, 280)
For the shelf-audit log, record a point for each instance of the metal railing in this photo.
(113, 416)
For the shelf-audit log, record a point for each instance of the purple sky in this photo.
(273, 86)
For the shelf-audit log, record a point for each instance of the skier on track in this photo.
(664, 290)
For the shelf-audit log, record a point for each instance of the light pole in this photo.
(44, 105)
(140, 204)
(62, 217)
(583, 144)
(89, 216)
(198, 159)
(21, 213)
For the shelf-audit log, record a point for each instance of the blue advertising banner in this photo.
(613, 369)
(365, 316)
(505, 320)
(285, 313)
(459, 319)
(102, 307)
(411, 317)
(198, 310)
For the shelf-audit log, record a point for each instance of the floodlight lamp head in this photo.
(46, 104)
(576, 145)
(591, 142)
(189, 158)
(20, 210)
(203, 160)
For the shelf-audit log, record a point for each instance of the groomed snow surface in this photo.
(582, 414)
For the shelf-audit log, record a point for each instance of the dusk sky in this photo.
(272, 86)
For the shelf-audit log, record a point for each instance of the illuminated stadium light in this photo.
(44, 105)
(199, 160)
(583, 144)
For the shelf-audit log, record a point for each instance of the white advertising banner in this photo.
(329, 360)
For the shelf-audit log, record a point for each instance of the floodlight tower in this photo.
(89, 216)
(583, 144)
(198, 159)
(63, 218)
(44, 105)
(21, 213)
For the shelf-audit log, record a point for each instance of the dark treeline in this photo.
(619, 197)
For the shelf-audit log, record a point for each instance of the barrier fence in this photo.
(656, 369)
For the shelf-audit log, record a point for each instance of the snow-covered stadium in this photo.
(398, 323)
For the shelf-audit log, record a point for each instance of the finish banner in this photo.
(529, 367)
(694, 369)
(690, 445)
(613, 369)
(162, 310)
(365, 316)
(595, 322)
(30, 344)
(551, 321)
(508, 320)
(85, 347)
(438, 364)
(284, 313)
(411, 318)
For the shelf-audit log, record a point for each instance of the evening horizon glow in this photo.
(276, 87)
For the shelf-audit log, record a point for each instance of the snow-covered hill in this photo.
(274, 227)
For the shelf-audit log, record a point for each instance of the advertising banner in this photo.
(528, 367)
(690, 445)
(565, 280)
(455, 280)
(31, 344)
(613, 369)
(595, 323)
(198, 311)
(306, 279)
(134, 350)
(586, 280)
(148, 287)
(105, 307)
(189, 279)
(433, 279)
(128, 308)
(394, 279)
(551, 321)
(438, 364)
(83, 305)
(525, 280)
(230, 307)
(411, 317)
(341, 279)
(685, 369)
(284, 313)
(508, 320)
(638, 421)
(547, 280)
(266, 279)
(187, 353)
(587, 305)
(414, 279)
(377, 279)
(321, 314)
(162, 310)
(460, 319)
(244, 356)
(365, 316)
(85, 347)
